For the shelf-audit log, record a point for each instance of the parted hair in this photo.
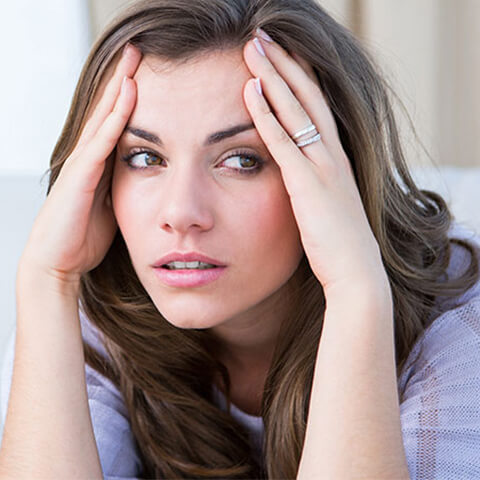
(165, 373)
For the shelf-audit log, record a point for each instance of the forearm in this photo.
(48, 431)
(353, 428)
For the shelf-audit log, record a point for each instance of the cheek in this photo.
(270, 220)
(126, 203)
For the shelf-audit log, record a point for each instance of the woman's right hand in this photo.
(76, 225)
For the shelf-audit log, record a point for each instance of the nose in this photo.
(186, 203)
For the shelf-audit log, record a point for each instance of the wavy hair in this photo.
(164, 373)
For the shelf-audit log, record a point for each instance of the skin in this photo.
(199, 201)
(70, 235)
(353, 428)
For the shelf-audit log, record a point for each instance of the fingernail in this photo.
(258, 46)
(258, 86)
(264, 35)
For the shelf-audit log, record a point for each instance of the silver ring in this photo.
(314, 138)
(308, 129)
(308, 141)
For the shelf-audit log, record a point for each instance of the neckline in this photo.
(221, 397)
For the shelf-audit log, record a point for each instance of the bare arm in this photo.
(48, 429)
(353, 428)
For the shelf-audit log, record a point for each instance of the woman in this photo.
(279, 300)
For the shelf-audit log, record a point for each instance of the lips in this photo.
(189, 278)
(187, 257)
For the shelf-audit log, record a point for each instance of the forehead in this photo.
(206, 90)
(212, 64)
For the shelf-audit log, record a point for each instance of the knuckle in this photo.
(315, 91)
(110, 139)
(282, 137)
(123, 115)
(330, 171)
(108, 136)
(298, 109)
(265, 109)
(270, 70)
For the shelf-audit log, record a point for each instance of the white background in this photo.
(44, 45)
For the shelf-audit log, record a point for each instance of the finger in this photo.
(307, 68)
(286, 107)
(295, 167)
(303, 82)
(103, 189)
(107, 96)
(98, 150)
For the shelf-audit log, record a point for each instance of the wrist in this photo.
(370, 292)
(35, 278)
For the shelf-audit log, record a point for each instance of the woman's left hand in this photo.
(329, 212)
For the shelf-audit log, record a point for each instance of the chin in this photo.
(190, 318)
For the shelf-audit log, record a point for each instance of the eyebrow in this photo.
(212, 139)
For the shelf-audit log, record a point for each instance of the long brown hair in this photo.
(165, 373)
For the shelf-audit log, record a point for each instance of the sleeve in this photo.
(115, 442)
(440, 399)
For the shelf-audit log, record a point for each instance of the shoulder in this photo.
(460, 259)
(440, 398)
(439, 387)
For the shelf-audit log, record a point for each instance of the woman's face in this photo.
(210, 197)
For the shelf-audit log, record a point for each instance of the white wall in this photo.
(44, 47)
(44, 44)
(430, 50)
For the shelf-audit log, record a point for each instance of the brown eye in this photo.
(141, 160)
(247, 162)
(243, 162)
(151, 159)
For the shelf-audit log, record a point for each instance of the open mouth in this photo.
(188, 266)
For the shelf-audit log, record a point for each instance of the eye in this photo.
(241, 161)
(244, 162)
(141, 160)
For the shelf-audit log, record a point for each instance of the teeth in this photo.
(189, 265)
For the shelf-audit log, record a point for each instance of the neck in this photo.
(249, 339)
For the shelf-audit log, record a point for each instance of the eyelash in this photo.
(239, 153)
